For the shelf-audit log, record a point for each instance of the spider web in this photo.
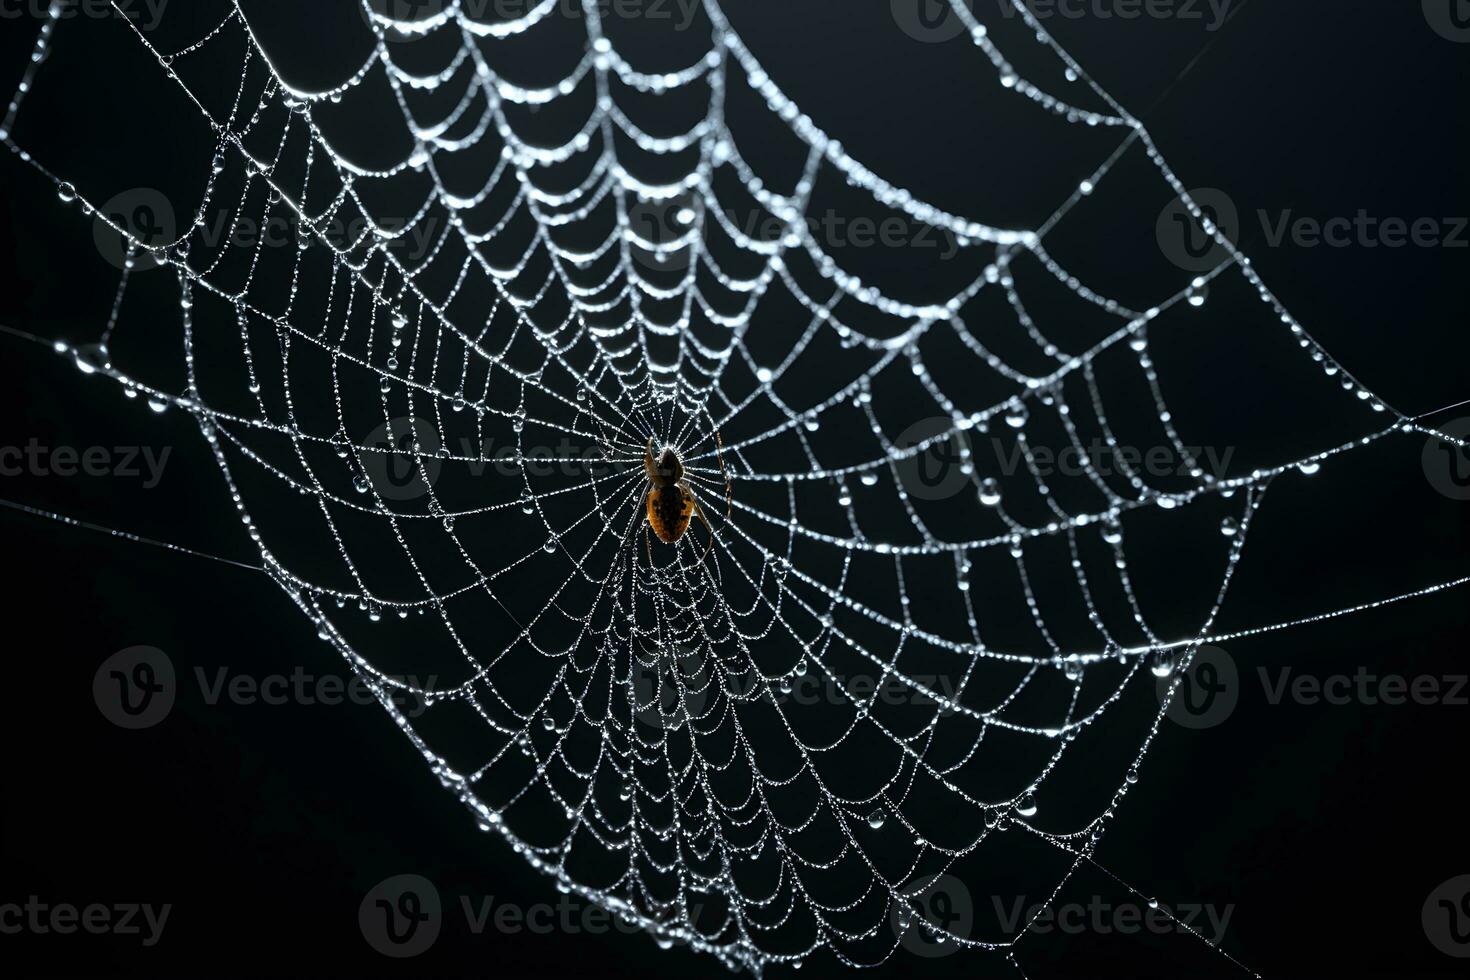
(433, 428)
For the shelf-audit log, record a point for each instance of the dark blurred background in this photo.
(1323, 828)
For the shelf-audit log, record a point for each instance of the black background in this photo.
(1324, 827)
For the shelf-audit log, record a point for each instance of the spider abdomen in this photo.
(669, 510)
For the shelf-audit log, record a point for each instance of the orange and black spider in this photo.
(670, 503)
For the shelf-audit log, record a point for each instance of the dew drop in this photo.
(66, 192)
(989, 491)
(92, 358)
(1026, 805)
(1229, 527)
(876, 819)
(1161, 663)
(1197, 293)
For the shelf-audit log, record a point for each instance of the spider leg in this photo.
(699, 512)
(720, 455)
(633, 528)
(602, 437)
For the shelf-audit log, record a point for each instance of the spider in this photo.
(669, 501)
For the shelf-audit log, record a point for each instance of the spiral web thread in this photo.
(621, 712)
